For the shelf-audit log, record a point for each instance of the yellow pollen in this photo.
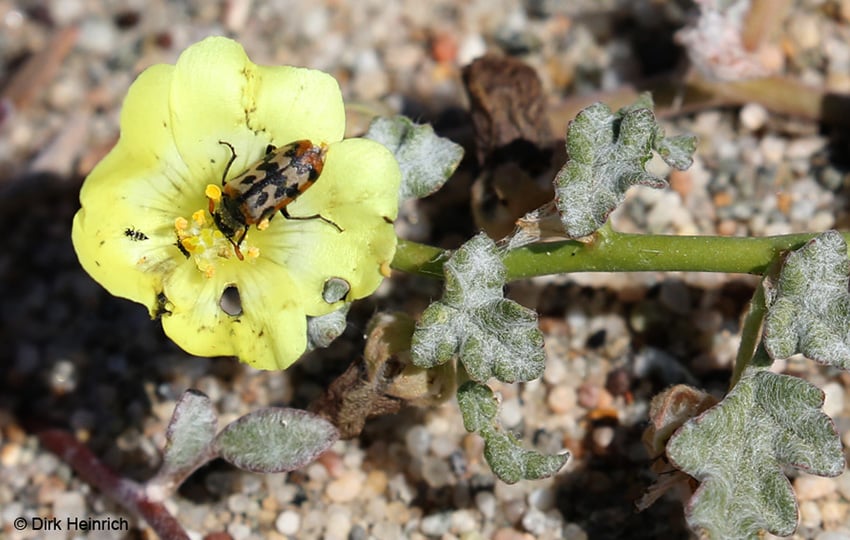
(204, 244)
(213, 192)
(385, 269)
(200, 217)
(263, 225)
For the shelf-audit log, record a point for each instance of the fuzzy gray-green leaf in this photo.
(608, 153)
(324, 329)
(737, 450)
(809, 306)
(426, 159)
(478, 405)
(275, 440)
(493, 336)
(506, 457)
(190, 433)
(512, 463)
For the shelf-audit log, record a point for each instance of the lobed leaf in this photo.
(426, 159)
(809, 305)
(493, 336)
(508, 460)
(737, 450)
(608, 153)
(275, 440)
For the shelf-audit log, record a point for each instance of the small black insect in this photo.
(135, 234)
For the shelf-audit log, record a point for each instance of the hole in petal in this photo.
(230, 302)
(335, 290)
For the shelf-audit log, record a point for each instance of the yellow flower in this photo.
(145, 231)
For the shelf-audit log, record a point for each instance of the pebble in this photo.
(69, 504)
(339, 525)
(753, 116)
(834, 513)
(511, 413)
(834, 535)
(238, 530)
(833, 404)
(417, 439)
(435, 524)
(506, 533)
(843, 484)
(97, 36)
(809, 487)
(437, 472)
(463, 521)
(810, 515)
(562, 399)
(347, 487)
(485, 502)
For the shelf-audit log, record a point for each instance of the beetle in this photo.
(267, 187)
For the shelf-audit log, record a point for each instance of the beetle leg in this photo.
(285, 214)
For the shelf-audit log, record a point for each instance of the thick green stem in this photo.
(619, 252)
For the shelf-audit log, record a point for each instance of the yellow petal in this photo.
(358, 190)
(269, 333)
(218, 94)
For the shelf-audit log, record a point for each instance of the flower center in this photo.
(205, 244)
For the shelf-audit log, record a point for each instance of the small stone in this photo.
(833, 535)
(843, 484)
(288, 522)
(376, 482)
(443, 446)
(543, 499)
(69, 504)
(485, 502)
(514, 510)
(809, 487)
(810, 514)
(436, 471)
(833, 403)
(10, 454)
(753, 116)
(339, 524)
(834, 513)
(805, 30)
(97, 36)
(772, 149)
(435, 524)
(507, 533)
(347, 487)
(238, 530)
(386, 530)
(534, 521)
(804, 148)
(511, 413)
(562, 399)
(573, 531)
(463, 521)
(240, 504)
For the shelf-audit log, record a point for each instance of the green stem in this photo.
(750, 333)
(611, 251)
